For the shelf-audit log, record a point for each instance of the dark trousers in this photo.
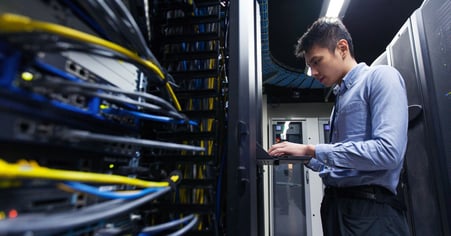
(346, 213)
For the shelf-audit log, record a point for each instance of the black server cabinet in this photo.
(420, 52)
(243, 120)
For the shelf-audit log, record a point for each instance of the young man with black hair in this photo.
(361, 166)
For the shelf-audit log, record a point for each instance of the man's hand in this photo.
(291, 149)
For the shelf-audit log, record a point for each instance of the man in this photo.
(361, 166)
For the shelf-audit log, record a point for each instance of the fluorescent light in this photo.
(309, 71)
(334, 8)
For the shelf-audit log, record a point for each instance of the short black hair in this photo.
(324, 32)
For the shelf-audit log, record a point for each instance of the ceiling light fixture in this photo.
(309, 71)
(334, 8)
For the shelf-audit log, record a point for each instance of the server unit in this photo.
(420, 51)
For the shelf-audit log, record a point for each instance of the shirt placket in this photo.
(333, 129)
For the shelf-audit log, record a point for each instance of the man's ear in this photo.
(343, 47)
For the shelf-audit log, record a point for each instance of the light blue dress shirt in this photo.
(369, 137)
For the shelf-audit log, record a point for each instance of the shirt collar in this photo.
(349, 79)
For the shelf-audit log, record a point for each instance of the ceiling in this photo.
(372, 24)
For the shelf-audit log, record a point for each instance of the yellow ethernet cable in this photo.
(31, 170)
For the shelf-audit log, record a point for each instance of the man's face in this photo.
(326, 67)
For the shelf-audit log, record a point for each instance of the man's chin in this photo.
(327, 85)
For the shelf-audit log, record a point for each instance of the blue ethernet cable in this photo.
(147, 116)
(56, 71)
(112, 195)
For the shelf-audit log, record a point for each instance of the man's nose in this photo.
(314, 72)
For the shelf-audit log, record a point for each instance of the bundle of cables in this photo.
(137, 104)
(43, 36)
(44, 223)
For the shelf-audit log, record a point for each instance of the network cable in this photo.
(141, 115)
(117, 23)
(185, 229)
(50, 44)
(69, 85)
(114, 19)
(31, 170)
(66, 83)
(150, 230)
(85, 18)
(128, 24)
(10, 23)
(71, 134)
(109, 194)
(125, 100)
(47, 224)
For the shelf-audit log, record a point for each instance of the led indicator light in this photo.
(27, 76)
(13, 213)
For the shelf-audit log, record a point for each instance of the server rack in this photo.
(420, 52)
(192, 47)
(74, 137)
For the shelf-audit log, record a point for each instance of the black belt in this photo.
(370, 192)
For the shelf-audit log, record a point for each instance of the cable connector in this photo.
(174, 179)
